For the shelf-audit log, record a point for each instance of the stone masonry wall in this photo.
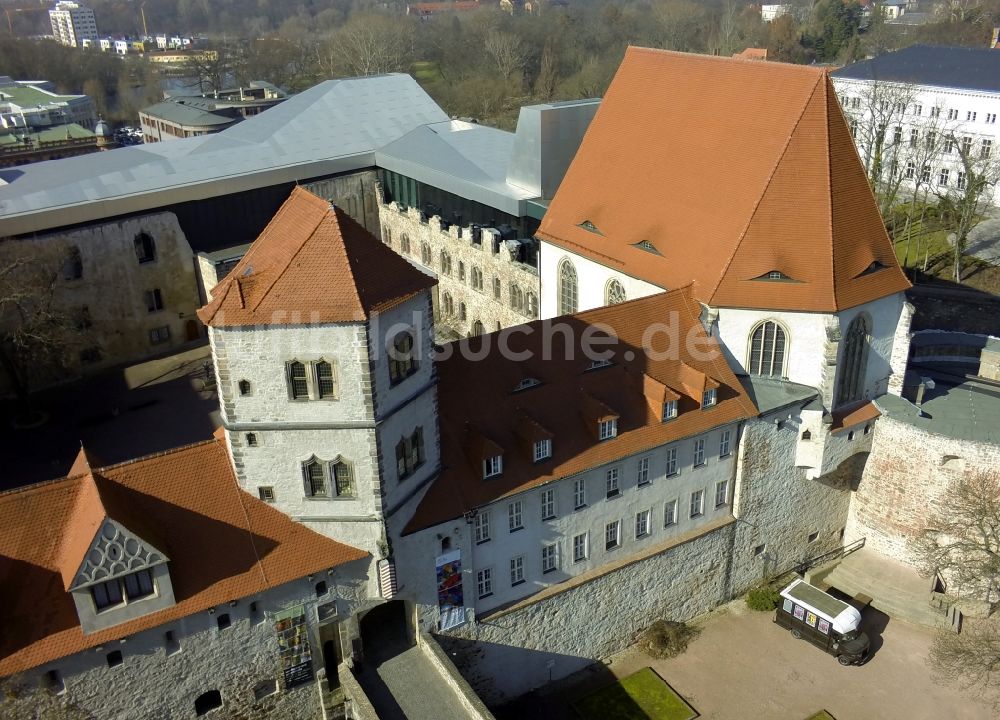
(152, 683)
(481, 304)
(909, 469)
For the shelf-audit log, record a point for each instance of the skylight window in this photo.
(598, 364)
(590, 227)
(528, 382)
(647, 246)
(874, 267)
(775, 276)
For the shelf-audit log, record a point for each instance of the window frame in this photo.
(612, 483)
(516, 570)
(607, 429)
(402, 363)
(722, 486)
(579, 493)
(481, 527)
(548, 502)
(697, 505)
(725, 443)
(642, 472)
(670, 513)
(642, 520)
(763, 349)
(492, 466)
(698, 456)
(612, 535)
(542, 449)
(671, 466)
(484, 582)
(515, 516)
(550, 558)
(567, 287)
(581, 540)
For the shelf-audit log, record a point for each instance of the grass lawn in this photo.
(425, 70)
(641, 696)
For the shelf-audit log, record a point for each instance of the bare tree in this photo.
(961, 540)
(373, 44)
(970, 659)
(964, 202)
(37, 334)
(507, 52)
(210, 67)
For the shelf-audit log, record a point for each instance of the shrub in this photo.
(666, 639)
(763, 597)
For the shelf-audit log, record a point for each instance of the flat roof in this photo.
(967, 410)
(185, 112)
(331, 128)
(960, 68)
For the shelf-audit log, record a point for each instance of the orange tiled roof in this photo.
(731, 170)
(844, 419)
(569, 400)
(312, 264)
(223, 545)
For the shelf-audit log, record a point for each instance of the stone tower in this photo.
(321, 338)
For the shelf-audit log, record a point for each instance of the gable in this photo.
(115, 551)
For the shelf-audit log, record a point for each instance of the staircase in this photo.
(894, 588)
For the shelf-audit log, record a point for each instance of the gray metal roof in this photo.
(770, 394)
(938, 66)
(187, 113)
(969, 410)
(462, 158)
(333, 127)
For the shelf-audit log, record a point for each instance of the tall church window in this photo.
(768, 348)
(297, 381)
(477, 279)
(614, 293)
(448, 305)
(516, 297)
(854, 361)
(326, 379)
(404, 243)
(401, 363)
(497, 289)
(531, 303)
(568, 291)
(477, 328)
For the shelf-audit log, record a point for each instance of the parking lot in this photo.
(744, 667)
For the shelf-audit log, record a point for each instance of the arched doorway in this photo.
(385, 631)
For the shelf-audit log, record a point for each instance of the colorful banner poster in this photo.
(293, 645)
(449, 589)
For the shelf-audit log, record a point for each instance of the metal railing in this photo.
(803, 566)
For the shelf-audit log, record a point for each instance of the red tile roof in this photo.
(846, 419)
(223, 545)
(731, 170)
(570, 399)
(312, 264)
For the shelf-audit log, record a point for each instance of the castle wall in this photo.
(908, 472)
(481, 304)
(156, 682)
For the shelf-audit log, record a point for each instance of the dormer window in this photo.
(708, 398)
(775, 276)
(492, 466)
(526, 383)
(590, 227)
(669, 410)
(134, 586)
(543, 449)
(647, 246)
(873, 267)
(607, 429)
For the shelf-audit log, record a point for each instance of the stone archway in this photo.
(385, 631)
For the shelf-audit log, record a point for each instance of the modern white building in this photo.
(73, 23)
(922, 110)
(769, 13)
(35, 105)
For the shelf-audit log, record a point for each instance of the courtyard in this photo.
(742, 666)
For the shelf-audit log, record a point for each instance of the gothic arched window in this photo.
(768, 350)
(614, 293)
(531, 302)
(854, 361)
(477, 328)
(568, 292)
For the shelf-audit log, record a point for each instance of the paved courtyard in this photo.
(744, 667)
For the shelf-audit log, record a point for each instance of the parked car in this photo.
(823, 620)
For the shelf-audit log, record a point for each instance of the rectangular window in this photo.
(514, 520)
(298, 384)
(482, 526)
(897, 135)
(669, 410)
(708, 398)
(697, 503)
(326, 379)
(960, 180)
(970, 116)
(670, 513)
(266, 493)
(106, 594)
(918, 109)
(607, 429)
(699, 452)
(548, 504)
(484, 582)
(721, 493)
(949, 145)
(671, 461)
(991, 118)
(642, 524)
(159, 335)
(914, 135)
(550, 558)
(966, 146)
(943, 177)
(492, 466)
(952, 114)
(410, 453)
(725, 443)
(138, 585)
(543, 449)
(612, 483)
(612, 535)
(516, 570)
(154, 300)
(579, 493)
(925, 174)
(935, 112)
(987, 147)
(931, 139)
(580, 547)
(642, 476)
(910, 169)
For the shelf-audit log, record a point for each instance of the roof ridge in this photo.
(829, 180)
(151, 456)
(763, 192)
